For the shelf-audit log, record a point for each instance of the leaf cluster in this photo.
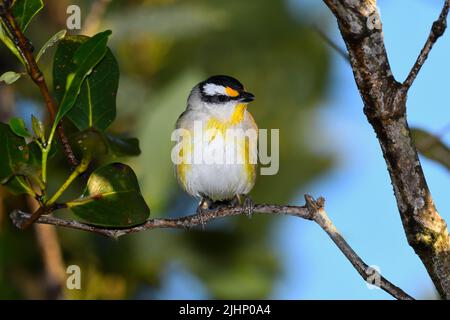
(86, 81)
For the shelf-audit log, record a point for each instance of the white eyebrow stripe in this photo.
(212, 89)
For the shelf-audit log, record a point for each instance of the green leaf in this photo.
(112, 198)
(18, 185)
(51, 42)
(431, 147)
(38, 128)
(10, 77)
(25, 10)
(85, 58)
(14, 157)
(17, 125)
(89, 142)
(123, 147)
(9, 43)
(96, 104)
(35, 152)
(13, 151)
(95, 143)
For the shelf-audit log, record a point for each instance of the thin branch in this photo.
(42, 210)
(437, 30)
(313, 210)
(26, 49)
(332, 44)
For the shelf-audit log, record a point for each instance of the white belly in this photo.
(223, 172)
(218, 180)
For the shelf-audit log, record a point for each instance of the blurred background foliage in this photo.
(165, 47)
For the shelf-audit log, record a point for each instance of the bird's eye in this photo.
(222, 98)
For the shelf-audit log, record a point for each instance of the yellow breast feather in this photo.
(249, 168)
(220, 126)
(185, 152)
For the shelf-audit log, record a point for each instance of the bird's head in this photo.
(219, 92)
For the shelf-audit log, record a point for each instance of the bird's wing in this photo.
(181, 121)
(250, 123)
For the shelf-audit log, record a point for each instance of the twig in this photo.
(332, 44)
(366, 272)
(437, 30)
(36, 214)
(26, 49)
(312, 210)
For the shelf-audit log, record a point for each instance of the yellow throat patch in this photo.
(236, 117)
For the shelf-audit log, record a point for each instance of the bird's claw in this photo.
(245, 202)
(202, 210)
(201, 213)
(248, 206)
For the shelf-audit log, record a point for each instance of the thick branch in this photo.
(385, 107)
(26, 49)
(313, 210)
(437, 30)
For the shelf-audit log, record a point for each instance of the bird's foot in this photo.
(248, 206)
(246, 202)
(204, 207)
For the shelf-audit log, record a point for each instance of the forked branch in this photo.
(437, 30)
(385, 107)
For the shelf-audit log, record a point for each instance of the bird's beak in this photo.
(246, 97)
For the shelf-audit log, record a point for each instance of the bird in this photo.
(218, 105)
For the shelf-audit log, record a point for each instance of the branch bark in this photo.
(437, 30)
(26, 50)
(385, 107)
(313, 210)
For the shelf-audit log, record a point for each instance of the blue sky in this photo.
(359, 195)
